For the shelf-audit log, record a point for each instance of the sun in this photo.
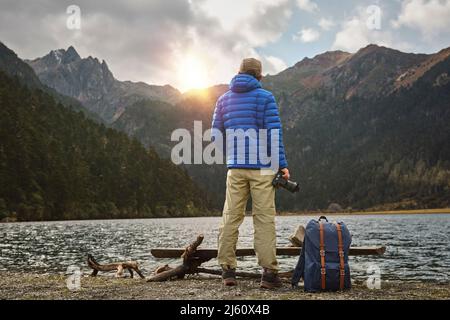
(192, 73)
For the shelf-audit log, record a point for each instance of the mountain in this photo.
(92, 83)
(369, 73)
(370, 131)
(364, 130)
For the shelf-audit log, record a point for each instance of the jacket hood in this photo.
(244, 83)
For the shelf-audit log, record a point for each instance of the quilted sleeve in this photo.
(218, 128)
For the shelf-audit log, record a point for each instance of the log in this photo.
(178, 272)
(189, 266)
(249, 252)
(119, 266)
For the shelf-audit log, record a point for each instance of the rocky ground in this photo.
(34, 286)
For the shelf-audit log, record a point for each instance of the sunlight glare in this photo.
(193, 73)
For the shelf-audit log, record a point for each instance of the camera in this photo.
(280, 182)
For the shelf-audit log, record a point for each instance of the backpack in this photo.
(323, 262)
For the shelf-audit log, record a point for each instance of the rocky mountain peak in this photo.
(54, 59)
(324, 60)
(61, 56)
(308, 73)
(90, 81)
(70, 55)
(371, 47)
(385, 54)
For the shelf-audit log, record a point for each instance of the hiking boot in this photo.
(229, 277)
(270, 280)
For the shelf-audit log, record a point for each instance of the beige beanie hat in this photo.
(251, 66)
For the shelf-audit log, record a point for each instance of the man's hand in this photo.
(286, 174)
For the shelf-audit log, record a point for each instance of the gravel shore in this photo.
(35, 286)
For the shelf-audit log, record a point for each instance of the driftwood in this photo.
(119, 266)
(190, 264)
(162, 269)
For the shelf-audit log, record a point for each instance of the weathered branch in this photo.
(192, 248)
(189, 265)
(119, 266)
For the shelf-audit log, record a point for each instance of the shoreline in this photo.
(29, 286)
(443, 211)
(370, 213)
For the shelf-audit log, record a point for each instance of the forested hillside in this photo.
(57, 164)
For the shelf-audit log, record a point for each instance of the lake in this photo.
(417, 245)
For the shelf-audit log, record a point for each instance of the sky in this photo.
(198, 43)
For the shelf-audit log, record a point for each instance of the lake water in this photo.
(417, 245)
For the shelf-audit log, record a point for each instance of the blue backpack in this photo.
(323, 262)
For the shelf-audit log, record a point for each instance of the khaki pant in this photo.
(240, 185)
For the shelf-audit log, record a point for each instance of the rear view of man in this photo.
(247, 107)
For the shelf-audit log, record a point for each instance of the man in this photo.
(245, 107)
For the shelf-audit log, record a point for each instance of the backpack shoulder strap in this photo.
(299, 271)
(322, 256)
(341, 256)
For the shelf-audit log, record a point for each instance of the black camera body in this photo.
(280, 182)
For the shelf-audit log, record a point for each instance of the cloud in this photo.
(267, 25)
(326, 24)
(430, 17)
(356, 33)
(307, 35)
(308, 5)
(149, 40)
(273, 65)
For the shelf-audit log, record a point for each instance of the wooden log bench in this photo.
(205, 253)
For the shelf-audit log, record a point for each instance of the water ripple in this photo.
(418, 245)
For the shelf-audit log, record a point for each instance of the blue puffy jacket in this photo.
(248, 107)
